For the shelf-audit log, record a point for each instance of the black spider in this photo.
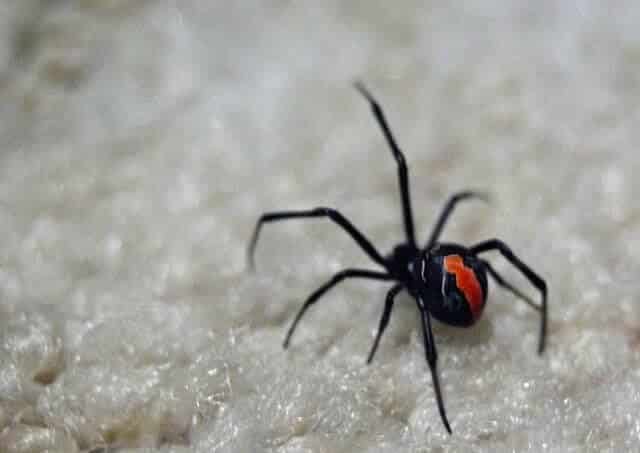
(448, 281)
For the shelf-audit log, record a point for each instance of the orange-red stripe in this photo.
(467, 281)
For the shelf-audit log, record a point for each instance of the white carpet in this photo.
(140, 141)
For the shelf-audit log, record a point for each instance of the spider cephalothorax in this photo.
(447, 281)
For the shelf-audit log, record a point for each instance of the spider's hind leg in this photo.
(448, 209)
(432, 360)
(534, 279)
(508, 286)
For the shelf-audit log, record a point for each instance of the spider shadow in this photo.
(479, 333)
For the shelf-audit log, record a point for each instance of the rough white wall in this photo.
(140, 141)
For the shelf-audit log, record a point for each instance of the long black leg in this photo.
(508, 286)
(432, 359)
(318, 293)
(403, 174)
(332, 214)
(448, 209)
(386, 314)
(535, 279)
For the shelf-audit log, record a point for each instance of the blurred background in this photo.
(141, 140)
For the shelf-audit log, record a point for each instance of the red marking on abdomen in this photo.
(467, 282)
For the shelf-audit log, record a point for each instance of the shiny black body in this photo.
(450, 305)
(439, 292)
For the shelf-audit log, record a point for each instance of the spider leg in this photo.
(508, 286)
(332, 214)
(535, 279)
(403, 174)
(448, 209)
(318, 293)
(386, 314)
(432, 358)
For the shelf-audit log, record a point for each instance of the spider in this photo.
(447, 280)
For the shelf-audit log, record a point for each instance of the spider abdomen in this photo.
(457, 285)
(466, 282)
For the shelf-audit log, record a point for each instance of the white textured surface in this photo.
(140, 141)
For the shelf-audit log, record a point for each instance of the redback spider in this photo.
(447, 281)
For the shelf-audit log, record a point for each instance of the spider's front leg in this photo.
(403, 172)
(318, 293)
(329, 213)
(386, 315)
